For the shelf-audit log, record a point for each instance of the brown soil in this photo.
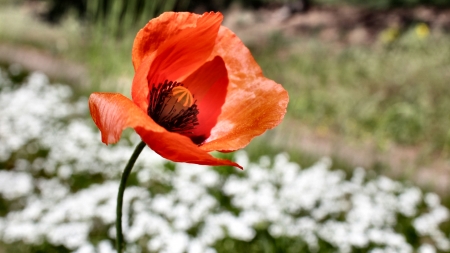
(35, 60)
(396, 161)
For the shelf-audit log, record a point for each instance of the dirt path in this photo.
(36, 60)
(396, 161)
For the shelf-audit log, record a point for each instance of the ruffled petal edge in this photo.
(253, 103)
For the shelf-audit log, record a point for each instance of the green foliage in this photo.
(45, 247)
(395, 92)
(118, 17)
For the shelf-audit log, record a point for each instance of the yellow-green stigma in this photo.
(173, 107)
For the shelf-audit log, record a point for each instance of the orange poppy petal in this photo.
(208, 85)
(140, 88)
(253, 104)
(157, 31)
(186, 51)
(170, 47)
(113, 112)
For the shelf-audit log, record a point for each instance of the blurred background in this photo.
(368, 83)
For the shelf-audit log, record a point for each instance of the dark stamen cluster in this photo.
(181, 121)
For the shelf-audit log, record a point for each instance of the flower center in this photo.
(173, 107)
(182, 95)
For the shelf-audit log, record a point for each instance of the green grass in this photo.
(386, 93)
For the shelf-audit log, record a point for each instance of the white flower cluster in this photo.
(176, 207)
(39, 116)
(345, 213)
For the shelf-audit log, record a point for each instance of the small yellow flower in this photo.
(422, 30)
(389, 35)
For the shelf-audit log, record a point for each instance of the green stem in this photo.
(123, 184)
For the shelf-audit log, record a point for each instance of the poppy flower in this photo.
(196, 89)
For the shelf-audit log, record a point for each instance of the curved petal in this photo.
(208, 85)
(171, 47)
(113, 112)
(253, 104)
(186, 51)
(140, 87)
(157, 31)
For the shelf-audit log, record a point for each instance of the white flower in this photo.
(187, 208)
